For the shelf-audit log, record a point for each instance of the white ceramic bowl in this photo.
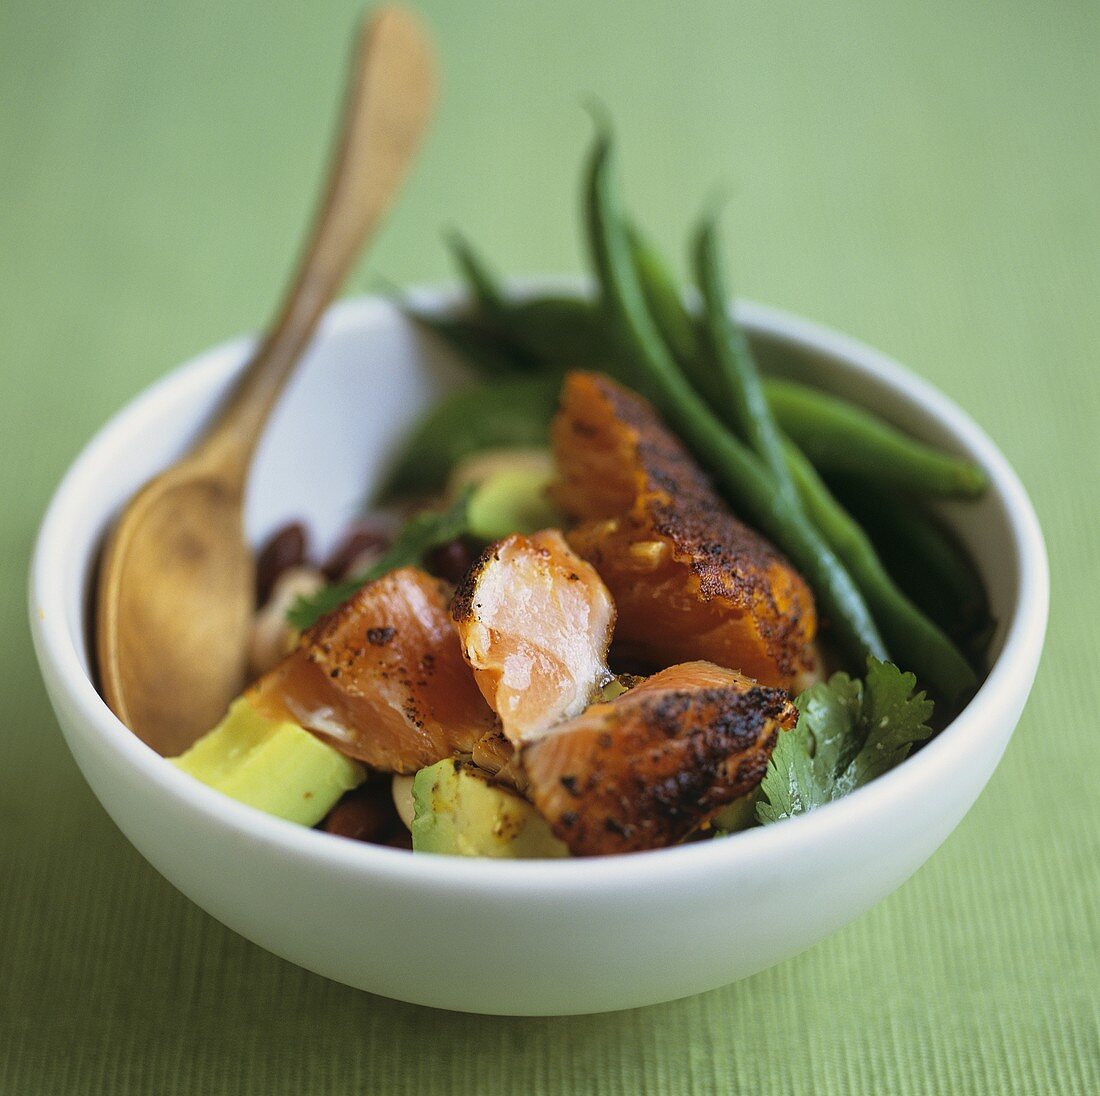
(512, 937)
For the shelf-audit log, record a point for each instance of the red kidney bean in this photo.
(401, 840)
(367, 813)
(360, 538)
(285, 548)
(452, 561)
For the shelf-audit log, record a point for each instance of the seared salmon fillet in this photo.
(689, 580)
(535, 624)
(651, 766)
(382, 677)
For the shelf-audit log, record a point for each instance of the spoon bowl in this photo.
(181, 552)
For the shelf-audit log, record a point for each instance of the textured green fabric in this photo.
(921, 175)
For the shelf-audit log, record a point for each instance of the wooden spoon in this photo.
(176, 584)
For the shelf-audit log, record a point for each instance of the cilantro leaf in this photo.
(422, 533)
(895, 719)
(849, 732)
(790, 785)
(831, 712)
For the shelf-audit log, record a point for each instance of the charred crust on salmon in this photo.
(654, 527)
(462, 604)
(651, 767)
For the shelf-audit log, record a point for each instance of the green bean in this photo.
(743, 476)
(486, 351)
(483, 284)
(483, 415)
(925, 559)
(553, 331)
(562, 332)
(838, 436)
(680, 329)
(746, 408)
(664, 297)
(915, 641)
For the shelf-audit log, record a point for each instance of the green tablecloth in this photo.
(922, 175)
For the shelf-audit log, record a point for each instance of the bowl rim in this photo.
(57, 650)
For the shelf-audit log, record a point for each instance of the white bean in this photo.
(272, 637)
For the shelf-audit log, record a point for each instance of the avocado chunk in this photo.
(482, 464)
(738, 815)
(273, 766)
(459, 811)
(512, 500)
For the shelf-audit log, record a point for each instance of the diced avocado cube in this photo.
(459, 811)
(512, 500)
(738, 815)
(273, 766)
(483, 464)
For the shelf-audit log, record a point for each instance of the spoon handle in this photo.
(390, 96)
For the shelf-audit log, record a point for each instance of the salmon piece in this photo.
(496, 755)
(535, 622)
(689, 580)
(651, 766)
(382, 677)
